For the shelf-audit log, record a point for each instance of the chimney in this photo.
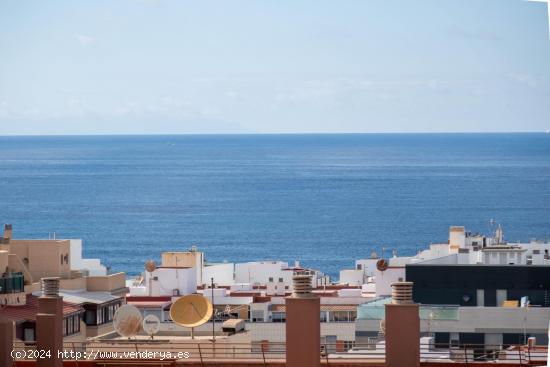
(6, 341)
(303, 327)
(402, 328)
(8, 232)
(401, 293)
(49, 323)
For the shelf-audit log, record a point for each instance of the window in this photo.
(71, 325)
(279, 317)
(89, 317)
(271, 279)
(61, 259)
(28, 334)
(359, 266)
(280, 280)
(342, 316)
(101, 315)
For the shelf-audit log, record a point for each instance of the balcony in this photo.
(12, 290)
(450, 318)
(375, 310)
(12, 283)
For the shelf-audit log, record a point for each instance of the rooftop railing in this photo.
(205, 351)
(12, 283)
(375, 310)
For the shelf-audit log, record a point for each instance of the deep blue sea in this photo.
(322, 199)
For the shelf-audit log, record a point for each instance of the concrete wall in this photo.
(93, 331)
(261, 271)
(4, 255)
(43, 258)
(384, 279)
(503, 257)
(169, 279)
(13, 299)
(223, 274)
(92, 266)
(352, 277)
(368, 265)
(107, 283)
(275, 331)
(191, 259)
(16, 265)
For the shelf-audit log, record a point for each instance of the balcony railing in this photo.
(12, 283)
(206, 351)
(375, 310)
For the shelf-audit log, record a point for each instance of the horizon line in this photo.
(281, 133)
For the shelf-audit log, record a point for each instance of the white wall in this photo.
(368, 265)
(93, 266)
(275, 331)
(488, 319)
(223, 274)
(457, 236)
(275, 289)
(352, 277)
(503, 257)
(384, 279)
(261, 271)
(183, 279)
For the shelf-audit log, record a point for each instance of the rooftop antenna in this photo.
(548, 9)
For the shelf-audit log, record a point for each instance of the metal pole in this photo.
(214, 313)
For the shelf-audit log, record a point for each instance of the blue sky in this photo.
(81, 67)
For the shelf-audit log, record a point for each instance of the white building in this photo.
(170, 281)
(262, 272)
(353, 277)
(223, 274)
(92, 267)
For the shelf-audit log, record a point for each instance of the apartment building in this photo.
(483, 290)
(91, 296)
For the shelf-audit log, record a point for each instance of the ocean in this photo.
(324, 200)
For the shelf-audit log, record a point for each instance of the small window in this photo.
(280, 280)
(61, 259)
(271, 279)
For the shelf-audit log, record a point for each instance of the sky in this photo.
(278, 66)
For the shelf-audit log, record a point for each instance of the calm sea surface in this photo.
(322, 199)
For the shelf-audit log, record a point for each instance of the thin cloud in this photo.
(84, 40)
(473, 34)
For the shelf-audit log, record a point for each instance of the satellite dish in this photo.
(127, 320)
(382, 264)
(191, 311)
(150, 266)
(151, 325)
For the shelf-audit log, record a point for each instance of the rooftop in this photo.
(30, 309)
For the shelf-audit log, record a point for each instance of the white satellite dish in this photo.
(151, 325)
(127, 321)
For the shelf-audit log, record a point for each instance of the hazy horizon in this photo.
(289, 67)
